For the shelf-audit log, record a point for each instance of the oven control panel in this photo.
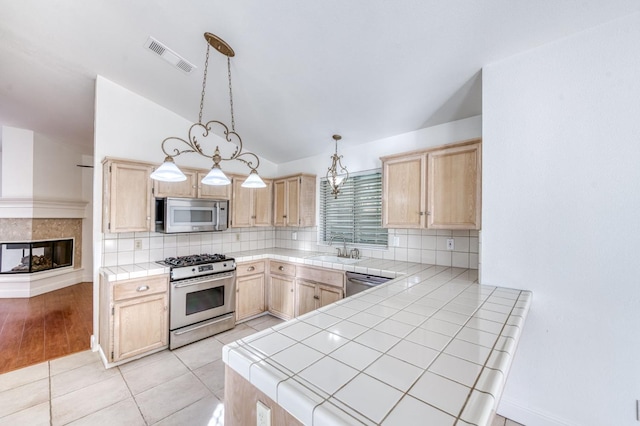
(199, 270)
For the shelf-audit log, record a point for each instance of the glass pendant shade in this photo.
(168, 172)
(253, 181)
(216, 177)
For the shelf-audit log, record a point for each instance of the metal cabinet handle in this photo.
(142, 288)
(251, 268)
(281, 268)
(421, 213)
(284, 216)
(316, 297)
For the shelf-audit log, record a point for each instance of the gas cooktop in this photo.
(194, 259)
(198, 265)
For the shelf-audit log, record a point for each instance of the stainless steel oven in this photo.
(202, 297)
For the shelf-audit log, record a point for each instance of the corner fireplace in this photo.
(35, 256)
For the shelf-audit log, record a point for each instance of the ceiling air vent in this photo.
(169, 55)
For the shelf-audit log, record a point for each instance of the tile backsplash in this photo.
(421, 246)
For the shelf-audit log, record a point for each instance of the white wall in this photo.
(561, 203)
(55, 170)
(17, 176)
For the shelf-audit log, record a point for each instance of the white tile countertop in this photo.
(138, 270)
(429, 347)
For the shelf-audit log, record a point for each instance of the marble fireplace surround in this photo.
(38, 229)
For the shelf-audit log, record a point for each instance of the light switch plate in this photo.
(263, 414)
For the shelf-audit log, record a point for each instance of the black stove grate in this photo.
(194, 259)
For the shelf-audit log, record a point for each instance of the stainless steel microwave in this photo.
(191, 215)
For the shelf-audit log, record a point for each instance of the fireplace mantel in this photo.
(30, 208)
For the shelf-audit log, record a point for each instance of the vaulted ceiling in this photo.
(303, 70)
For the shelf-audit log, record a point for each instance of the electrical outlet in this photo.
(396, 241)
(263, 414)
(450, 244)
(138, 244)
(237, 237)
(294, 235)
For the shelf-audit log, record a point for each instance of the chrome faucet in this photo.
(341, 252)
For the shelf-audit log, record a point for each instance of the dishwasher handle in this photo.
(367, 283)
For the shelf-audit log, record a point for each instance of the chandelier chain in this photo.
(204, 84)
(233, 120)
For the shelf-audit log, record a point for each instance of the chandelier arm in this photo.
(249, 163)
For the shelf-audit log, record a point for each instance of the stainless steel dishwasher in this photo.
(360, 282)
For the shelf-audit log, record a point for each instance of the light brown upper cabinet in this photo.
(185, 189)
(215, 192)
(127, 199)
(192, 187)
(294, 201)
(251, 206)
(438, 188)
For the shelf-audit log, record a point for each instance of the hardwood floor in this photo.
(45, 327)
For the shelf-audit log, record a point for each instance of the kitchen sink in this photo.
(334, 259)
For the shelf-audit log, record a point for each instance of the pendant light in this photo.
(337, 174)
(169, 171)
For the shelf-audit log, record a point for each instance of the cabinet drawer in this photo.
(282, 268)
(324, 276)
(250, 268)
(140, 287)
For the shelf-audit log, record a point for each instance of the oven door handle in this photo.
(189, 283)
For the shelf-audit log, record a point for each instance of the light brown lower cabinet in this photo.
(281, 296)
(311, 296)
(134, 316)
(250, 290)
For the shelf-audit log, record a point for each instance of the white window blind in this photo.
(356, 215)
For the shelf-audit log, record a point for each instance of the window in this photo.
(356, 215)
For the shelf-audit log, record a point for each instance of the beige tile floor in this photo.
(180, 387)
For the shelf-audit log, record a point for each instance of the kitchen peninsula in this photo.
(432, 344)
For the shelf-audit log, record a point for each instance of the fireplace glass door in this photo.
(36, 256)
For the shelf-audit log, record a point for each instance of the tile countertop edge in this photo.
(483, 396)
(390, 268)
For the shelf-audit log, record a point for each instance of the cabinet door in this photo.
(293, 202)
(306, 298)
(140, 325)
(127, 197)
(279, 203)
(215, 192)
(249, 296)
(184, 189)
(307, 201)
(403, 198)
(281, 296)
(454, 188)
(327, 295)
(242, 205)
(262, 208)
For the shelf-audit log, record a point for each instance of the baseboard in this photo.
(528, 416)
(29, 285)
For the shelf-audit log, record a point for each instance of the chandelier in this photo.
(335, 177)
(169, 171)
